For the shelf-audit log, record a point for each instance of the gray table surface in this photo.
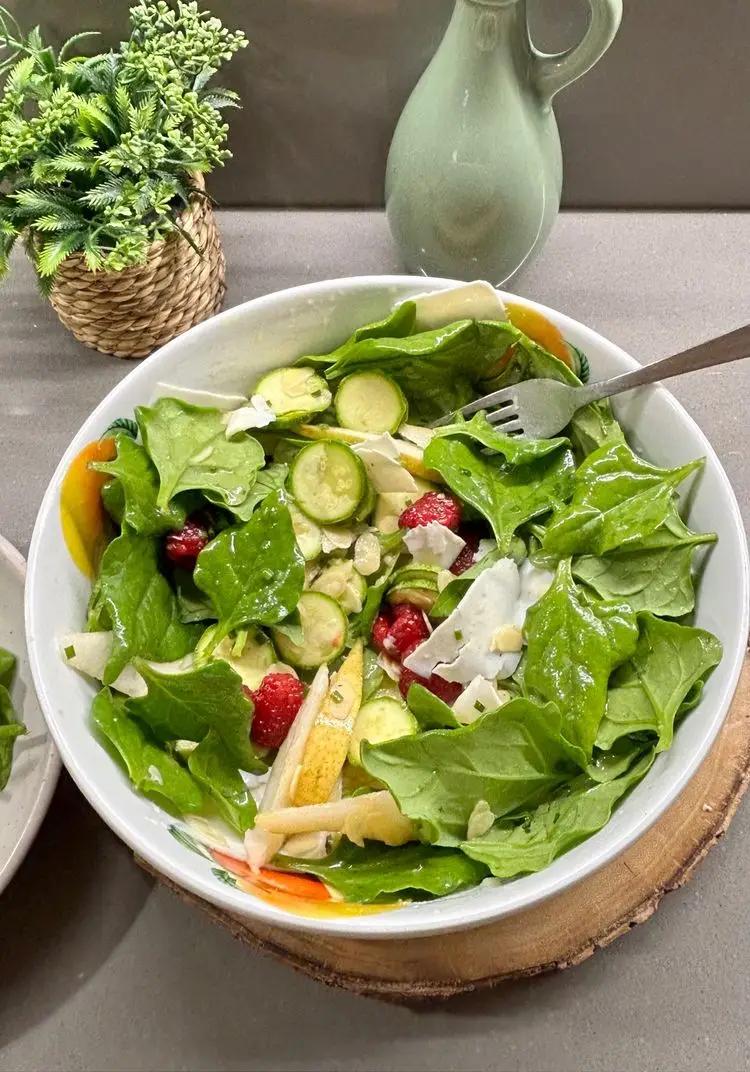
(100, 969)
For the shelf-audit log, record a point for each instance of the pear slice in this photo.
(259, 845)
(374, 816)
(328, 741)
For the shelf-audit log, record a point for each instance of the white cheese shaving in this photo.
(258, 414)
(380, 457)
(479, 696)
(197, 397)
(434, 544)
(469, 301)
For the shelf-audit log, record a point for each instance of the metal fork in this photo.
(542, 408)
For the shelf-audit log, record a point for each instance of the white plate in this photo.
(228, 353)
(36, 764)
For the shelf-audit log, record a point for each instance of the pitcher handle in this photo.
(556, 71)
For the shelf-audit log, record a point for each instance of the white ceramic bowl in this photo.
(227, 353)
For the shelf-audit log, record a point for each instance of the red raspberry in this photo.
(408, 629)
(381, 629)
(277, 700)
(433, 506)
(448, 691)
(184, 546)
(471, 538)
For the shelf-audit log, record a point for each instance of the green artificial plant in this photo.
(99, 154)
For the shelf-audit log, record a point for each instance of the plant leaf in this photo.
(190, 450)
(555, 827)
(517, 450)
(617, 497)
(510, 758)
(647, 693)
(139, 480)
(151, 770)
(186, 706)
(506, 497)
(573, 646)
(212, 767)
(653, 573)
(375, 872)
(270, 479)
(254, 573)
(430, 711)
(437, 370)
(140, 605)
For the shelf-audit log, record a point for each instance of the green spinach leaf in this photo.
(138, 482)
(646, 694)
(254, 573)
(194, 605)
(554, 827)
(506, 497)
(151, 770)
(593, 426)
(213, 768)
(189, 447)
(269, 480)
(10, 726)
(430, 711)
(617, 497)
(573, 646)
(653, 573)
(139, 605)
(186, 706)
(437, 370)
(397, 325)
(7, 667)
(376, 872)
(517, 450)
(510, 758)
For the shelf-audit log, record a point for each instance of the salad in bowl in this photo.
(360, 661)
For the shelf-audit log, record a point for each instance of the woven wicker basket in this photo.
(133, 312)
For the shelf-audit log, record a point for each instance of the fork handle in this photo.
(731, 347)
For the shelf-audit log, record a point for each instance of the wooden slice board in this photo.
(557, 934)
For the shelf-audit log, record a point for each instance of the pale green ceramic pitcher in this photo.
(475, 169)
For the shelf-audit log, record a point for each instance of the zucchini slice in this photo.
(323, 632)
(328, 481)
(370, 402)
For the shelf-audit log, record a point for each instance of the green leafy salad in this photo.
(11, 726)
(396, 659)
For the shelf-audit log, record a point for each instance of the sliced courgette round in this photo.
(306, 533)
(370, 402)
(342, 582)
(328, 482)
(294, 393)
(380, 719)
(323, 632)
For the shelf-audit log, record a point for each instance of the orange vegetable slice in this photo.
(539, 329)
(82, 516)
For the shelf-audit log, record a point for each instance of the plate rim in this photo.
(52, 763)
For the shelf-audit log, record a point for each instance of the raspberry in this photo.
(183, 546)
(433, 506)
(447, 691)
(465, 559)
(277, 700)
(380, 633)
(408, 629)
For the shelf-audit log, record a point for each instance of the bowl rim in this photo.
(381, 926)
